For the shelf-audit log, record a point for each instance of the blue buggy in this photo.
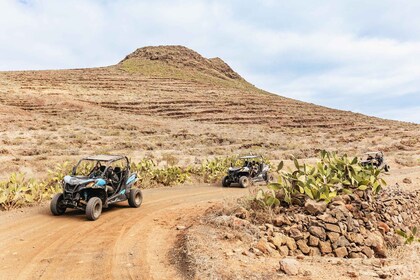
(95, 183)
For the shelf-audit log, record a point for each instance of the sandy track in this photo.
(125, 243)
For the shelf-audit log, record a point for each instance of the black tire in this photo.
(244, 182)
(94, 208)
(386, 168)
(226, 182)
(56, 206)
(135, 198)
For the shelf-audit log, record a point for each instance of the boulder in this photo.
(314, 207)
(289, 266)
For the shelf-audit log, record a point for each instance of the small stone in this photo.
(314, 251)
(327, 218)
(356, 238)
(367, 251)
(332, 227)
(295, 234)
(349, 207)
(289, 266)
(342, 242)
(318, 232)
(303, 246)
(263, 246)
(283, 250)
(352, 274)
(325, 247)
(333, 236)
(383, 227)
(278, 240)
(354, 255)
(341, 252)
(181, 227)
(280, 220)
(376, 241)
(313, 241)
(314, 207)
(291, 244)
(407, 181)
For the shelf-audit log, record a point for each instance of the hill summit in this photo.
(184, 58)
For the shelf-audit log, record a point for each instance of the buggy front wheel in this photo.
(56, 206)
(244, 182)
(94, 208)
(226, 182)
(135, 198)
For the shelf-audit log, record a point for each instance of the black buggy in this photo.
(97, 182)
(375, 159)
(251, 169)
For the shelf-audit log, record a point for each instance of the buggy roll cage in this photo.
(107, 159)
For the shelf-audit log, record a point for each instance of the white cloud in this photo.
(341, 54)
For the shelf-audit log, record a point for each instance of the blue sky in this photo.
(362, 56)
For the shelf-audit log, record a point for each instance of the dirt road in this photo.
(125, 243)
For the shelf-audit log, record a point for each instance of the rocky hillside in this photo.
(170, 102)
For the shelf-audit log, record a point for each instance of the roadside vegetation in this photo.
(330, 176)
(19, 191)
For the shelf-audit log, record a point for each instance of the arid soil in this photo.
(170, 101)
(125, 243)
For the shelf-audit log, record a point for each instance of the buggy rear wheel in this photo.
(244, 182)
(94, 208)
(136, 198)
(226, 182)
(56, 205)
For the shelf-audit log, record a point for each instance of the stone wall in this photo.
(359, 225)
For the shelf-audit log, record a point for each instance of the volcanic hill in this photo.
(170, 102)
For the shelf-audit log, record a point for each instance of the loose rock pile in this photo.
(351, 226)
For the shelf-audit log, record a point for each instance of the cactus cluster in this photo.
(330, 176)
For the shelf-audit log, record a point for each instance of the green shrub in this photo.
(212, 170)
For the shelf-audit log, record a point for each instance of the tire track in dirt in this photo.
(125, 243)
